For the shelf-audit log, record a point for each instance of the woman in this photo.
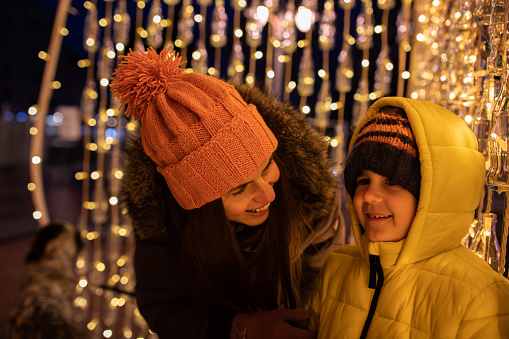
(232, 201)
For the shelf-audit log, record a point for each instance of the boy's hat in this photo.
(385, 145)
(202, 135)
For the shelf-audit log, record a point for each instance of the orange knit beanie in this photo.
(202, 135)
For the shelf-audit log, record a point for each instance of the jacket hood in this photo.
(300, 147)
(452, 173)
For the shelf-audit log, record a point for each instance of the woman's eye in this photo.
(239, 192)
(362, 181)
(268, 165)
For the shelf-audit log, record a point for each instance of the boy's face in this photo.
(384, 210)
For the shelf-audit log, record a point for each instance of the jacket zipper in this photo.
(375, 271)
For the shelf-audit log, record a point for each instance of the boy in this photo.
(413, 178)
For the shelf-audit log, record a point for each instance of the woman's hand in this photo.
(271, 324)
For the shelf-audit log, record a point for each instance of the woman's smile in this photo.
(258, 210)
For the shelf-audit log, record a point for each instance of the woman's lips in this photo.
(258, 210)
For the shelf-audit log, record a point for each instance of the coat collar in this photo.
(387, 251)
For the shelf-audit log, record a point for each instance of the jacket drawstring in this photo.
(375, 269)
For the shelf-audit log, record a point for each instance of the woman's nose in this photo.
(265, 191)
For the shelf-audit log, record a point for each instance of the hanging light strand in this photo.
(46, 91)
(404, 47)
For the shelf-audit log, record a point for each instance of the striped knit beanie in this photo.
(385, 145)
(204, 138)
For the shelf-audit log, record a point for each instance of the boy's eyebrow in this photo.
(247, 183)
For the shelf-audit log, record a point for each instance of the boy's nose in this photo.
(372, 194)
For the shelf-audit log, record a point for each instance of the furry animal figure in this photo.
(43, 308)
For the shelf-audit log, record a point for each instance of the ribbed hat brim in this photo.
(399, 167)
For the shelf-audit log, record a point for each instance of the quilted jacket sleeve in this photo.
(488, 313)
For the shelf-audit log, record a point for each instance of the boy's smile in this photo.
(384, 210)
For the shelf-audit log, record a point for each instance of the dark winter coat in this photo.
(157, 219)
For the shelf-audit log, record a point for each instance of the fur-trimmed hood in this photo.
(301, 148)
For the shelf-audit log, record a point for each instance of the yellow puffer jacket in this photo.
(433, 287)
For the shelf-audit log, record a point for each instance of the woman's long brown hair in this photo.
(223, 276)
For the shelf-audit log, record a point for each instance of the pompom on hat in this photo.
(204, 138)
(385, 145)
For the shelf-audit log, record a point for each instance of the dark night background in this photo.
(26, 29)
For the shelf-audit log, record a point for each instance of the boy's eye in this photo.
(388, 182)
(393, 185)
(362, 181)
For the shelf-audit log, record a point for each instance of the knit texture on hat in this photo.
(202, 135)
(385, 145)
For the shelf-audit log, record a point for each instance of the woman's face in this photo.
(249, 202)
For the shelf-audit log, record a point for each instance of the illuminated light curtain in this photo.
(236, 67)
(505, 236)
(343, 84)
(97, 275)
(384, 66)
(304, 21)
(467, 73)
(154, 25)
(200, 55)
(272, 6)
(117, 254)
(169, 22)
(326, 41)
(82, 301)
(256, 18)
(185, 28)
(141, 33)
(429, 75)
(404, 44)
(102, 301)
(364, 42)
(288, 44)
(218, 37)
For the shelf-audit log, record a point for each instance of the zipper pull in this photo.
(374, 266)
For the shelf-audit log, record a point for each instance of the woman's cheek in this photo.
(234, 206)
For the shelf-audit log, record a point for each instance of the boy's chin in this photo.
(381, 237)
